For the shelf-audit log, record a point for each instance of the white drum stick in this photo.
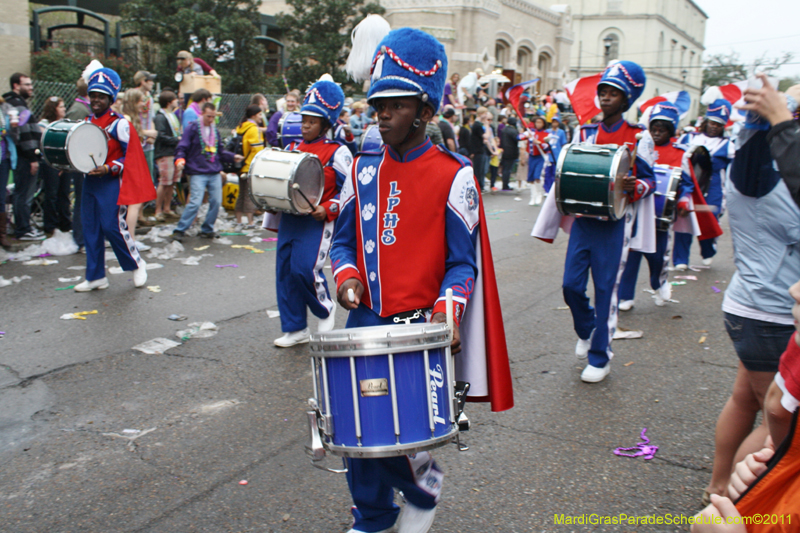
(449, 309)
(351, 295)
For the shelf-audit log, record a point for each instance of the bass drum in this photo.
(290, 129)
(589, 180)
(74, 146)
(371, 140)
(290, 182)
(668, 179)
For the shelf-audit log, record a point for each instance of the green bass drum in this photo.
(74, 146)
(589, 180)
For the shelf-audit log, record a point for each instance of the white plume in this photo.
(90, 69)
(365, 38)
(325, 77)
(711, 94)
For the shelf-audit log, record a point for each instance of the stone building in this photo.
(525, 39)
(664, 36)
(15, 40)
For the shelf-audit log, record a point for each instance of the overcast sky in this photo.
(753, 28)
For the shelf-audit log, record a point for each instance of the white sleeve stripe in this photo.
(344, 267)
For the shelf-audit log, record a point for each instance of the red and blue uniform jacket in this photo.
(541, 135)
(336, 160)
(408, 230)
(119, 134)
(624, 133)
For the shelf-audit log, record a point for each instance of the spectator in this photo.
(188, 64)
(273, 138)
(133, 104)
(261, 101)
(433, 131)
(252, 143)
(464, 135)
(144, 81)
(27, 158)
(509, 142)
(169, 133)
(80, 110)
(447, 126)
(8, 162)
(477, 149)
(192, 114)
(358, 122)
(199, 152)
(56, 183)
(450, 88)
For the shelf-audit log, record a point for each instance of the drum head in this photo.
(622, 166)
(87, 147)
(701, 164)
(311, 179)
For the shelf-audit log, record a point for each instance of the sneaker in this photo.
(140, 275)
(592, 374)
(293, 337)
(681, 267)
(359, 531)
(708, 260)
(208, 235)
(626, 305)
(161, 217)
(86, 285)
(172, 214)
(178, 235)
(582, 348)
(415, 520)
(663, 294)
(327, 323)
(142, 247)
(32, 235)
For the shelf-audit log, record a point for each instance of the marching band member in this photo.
(722, 152)
(602, 245)
(539, 151)
(123, 179)
(417, 207)
(663, 123)
(304, 241)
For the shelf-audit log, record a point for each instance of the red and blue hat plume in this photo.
(626, 76)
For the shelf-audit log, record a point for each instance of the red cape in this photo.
(137, 182)
(501, 393)
(709, 226)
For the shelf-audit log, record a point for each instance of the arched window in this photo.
(524, 62)
(502, 52)
(544, 65)
(610, 47)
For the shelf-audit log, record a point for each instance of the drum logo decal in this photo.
(366, 175)
(374, 387)
(436, 384)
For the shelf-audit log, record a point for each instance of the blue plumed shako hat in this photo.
(409, 62)
(106, 81)
(626, 76)
(719, 111)
(666, 112)
(324, 99)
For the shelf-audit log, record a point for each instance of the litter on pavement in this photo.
(69, 280)
(80, 315)
(158, 345)
(642, 448)
(198, 330)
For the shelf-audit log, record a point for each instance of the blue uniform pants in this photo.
(535, 166)
(549, 177)
(102, 218)
(600, 246)
(657, 262)
(683, 245)
(372, 481)
(303, 246)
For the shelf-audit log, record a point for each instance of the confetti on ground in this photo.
(691, 278)
(270, 239)
(177, 318)
(201, 248)
(628, 364)
(676, 283)
(621, 333)
(562, 308)
(702, 340)
(154, 288)
(227, 266)
(40, 262)
(68, 280)
(231, 233)
(243, 482)
(80, 315)
(68, 287)
(715, 289)
(273, 314)
(642, 448)
(253, 249)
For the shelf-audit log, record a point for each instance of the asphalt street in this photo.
(98, 437)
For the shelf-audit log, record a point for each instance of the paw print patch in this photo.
(372, 276)
(368, 211)
(366, 175)
(369, 246)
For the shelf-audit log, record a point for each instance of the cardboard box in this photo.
(192, 82)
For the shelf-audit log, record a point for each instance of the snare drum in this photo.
(589, 180)
(371, 140)
(383, 391)
(666, 196)
(290, 129)
(273, 174)
(74, 146)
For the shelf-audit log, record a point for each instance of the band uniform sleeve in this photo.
(343, 254)
(342, 165)
(121, 131)
(462, 221)
(645, 158)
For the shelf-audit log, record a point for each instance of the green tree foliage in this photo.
(319, 33)
(58, 65)
(222, 32)
(722, 69)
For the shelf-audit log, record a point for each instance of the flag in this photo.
(513, 95)
(583, 97)
(679, 99)
(733, 94)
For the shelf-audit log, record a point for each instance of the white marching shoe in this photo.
(708, 260)
(663, 294)
(681, 267)
(140, 274)
(326, 324)
(292, 338)
(86, 285)
(592, 374)
(415, 520)
(626, 305)
(582, 348)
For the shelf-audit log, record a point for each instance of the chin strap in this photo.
(417, 122)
